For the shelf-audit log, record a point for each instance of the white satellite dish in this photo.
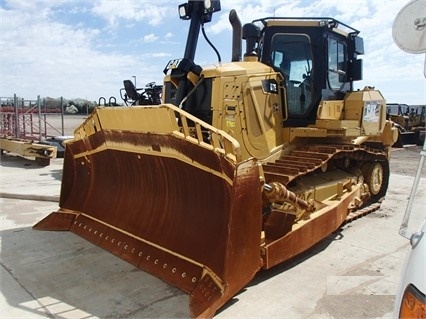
(409, 28)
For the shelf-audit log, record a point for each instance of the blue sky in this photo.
(85, 49)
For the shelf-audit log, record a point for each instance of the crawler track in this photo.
(306, 159)
(309, 158)
(361, 212)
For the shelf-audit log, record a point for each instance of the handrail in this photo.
(161, 119)
(218, 140)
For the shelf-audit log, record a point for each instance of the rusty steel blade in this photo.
(183, 213)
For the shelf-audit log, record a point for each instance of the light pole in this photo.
(134, 76)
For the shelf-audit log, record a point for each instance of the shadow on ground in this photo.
(65, 276)
(9, 160)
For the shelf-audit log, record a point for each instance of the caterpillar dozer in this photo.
(244, 164)
(409, 121)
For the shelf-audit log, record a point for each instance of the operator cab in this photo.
(317, 58)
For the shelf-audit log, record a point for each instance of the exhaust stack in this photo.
(236, 35)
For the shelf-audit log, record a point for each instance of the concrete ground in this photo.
(351, 274)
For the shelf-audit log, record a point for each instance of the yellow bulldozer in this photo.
(242, 166)
(410, 122)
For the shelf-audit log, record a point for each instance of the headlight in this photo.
(207, 4)
(183, 12)
(413, 304)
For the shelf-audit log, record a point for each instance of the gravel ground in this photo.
(404, 161)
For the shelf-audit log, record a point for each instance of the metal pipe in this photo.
(236, 35)
(403, 230)
(39, 117)
(62, 116)
(15, 102)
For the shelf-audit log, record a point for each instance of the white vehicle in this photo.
(409, 34)
(410, 301)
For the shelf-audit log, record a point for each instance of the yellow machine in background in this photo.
(242, 166)
(410, 122)
(28, 148)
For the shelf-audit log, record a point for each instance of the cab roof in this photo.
(320, 22)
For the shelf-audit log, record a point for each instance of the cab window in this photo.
(336, 64)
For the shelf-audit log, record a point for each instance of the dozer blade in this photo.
(189, 212)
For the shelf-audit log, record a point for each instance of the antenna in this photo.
(409, 28)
